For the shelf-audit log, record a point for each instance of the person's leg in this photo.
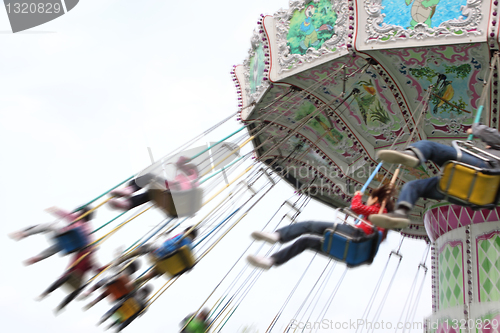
(69, 298)
(41, 228)
(303, 243)
(298, 229)
(129, 203)
(37, 229)
(293, 231)
(59, 282)
(127, 322)
(144, 180)
(423, 151)
(43, 255)
(420, 188)
(139, 199)
(97, 300)
(133, 186)
(116, 322)
(440, 154)
(109, 313)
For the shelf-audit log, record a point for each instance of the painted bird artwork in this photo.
(368, 103)
(445, 93)
(327, 129)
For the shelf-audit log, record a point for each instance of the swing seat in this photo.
(129, 308)
(119, 288)
(177, 262)
(72, 240)
(469, 185)
(351, 250)
(177, 203)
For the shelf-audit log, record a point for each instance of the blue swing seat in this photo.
(349, 247)
(71, 241)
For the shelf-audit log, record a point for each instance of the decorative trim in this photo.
(493, 30)
(446, 217)
(468, 253)
(434, 278)
(452, 243)
(237, 85)
(259, 37)
(412, 236)
(342, 37)
(494, 100)
(381, 32)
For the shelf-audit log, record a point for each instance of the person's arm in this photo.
(145, 249)
(69, 299)
(489, 135)
(61, 213)
(358, 207)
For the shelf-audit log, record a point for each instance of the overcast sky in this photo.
(81, 99)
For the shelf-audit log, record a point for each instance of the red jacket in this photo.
(359, 208)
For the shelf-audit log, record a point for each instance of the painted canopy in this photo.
(329, 83)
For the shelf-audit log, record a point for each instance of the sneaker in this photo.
(119, 204)
(406, 157)
(18, 235)
(31, 261)
(390, 221)
(41, 297)
(123, 192)
(269, 237)
(88, 306)
(260, 262)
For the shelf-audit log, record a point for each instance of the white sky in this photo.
(81, 99)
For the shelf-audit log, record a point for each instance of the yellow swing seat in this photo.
(469, 185)
(128, 309)
(178, 262)
(177, 203)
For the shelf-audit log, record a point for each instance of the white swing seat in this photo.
(177, 203)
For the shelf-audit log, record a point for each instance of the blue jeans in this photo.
(313, 242)
(427, 188)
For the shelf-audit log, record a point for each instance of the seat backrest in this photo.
(177, 262)
(177, 203)
(187, 203)
(469, 185)
(74, 282)
(354, 251)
